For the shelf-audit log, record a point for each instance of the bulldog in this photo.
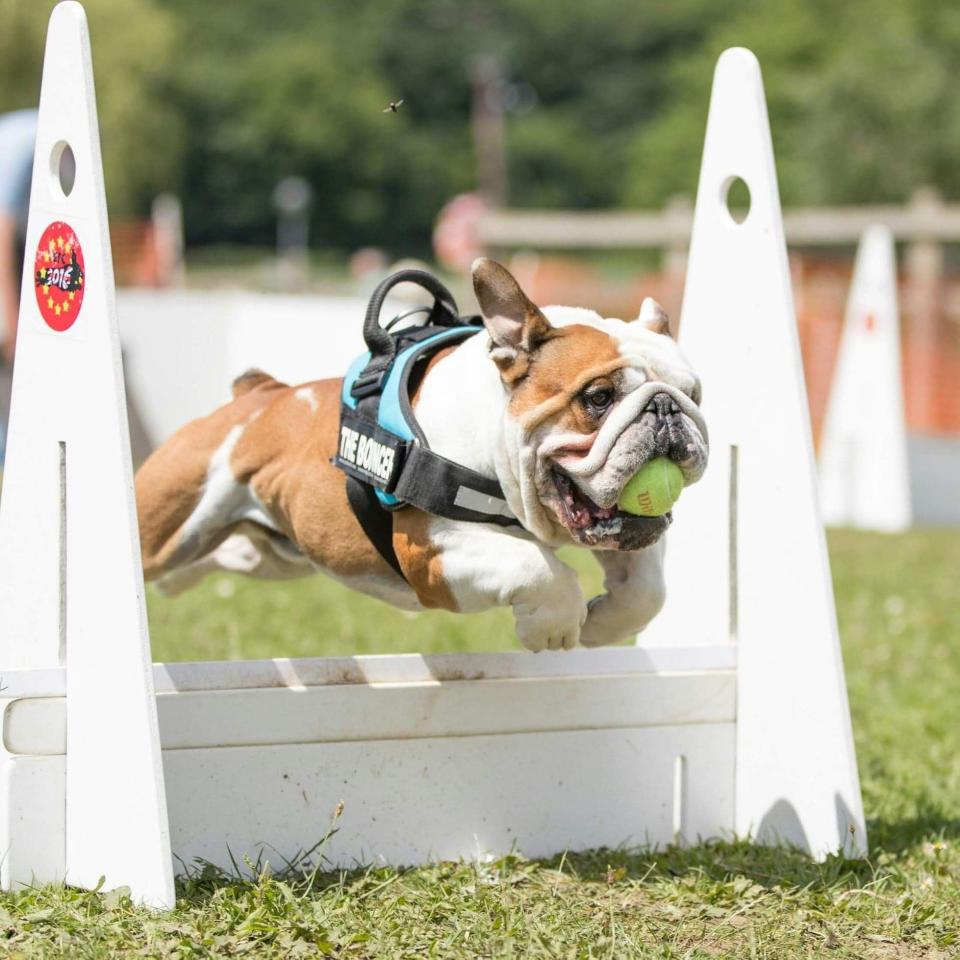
(560, 405)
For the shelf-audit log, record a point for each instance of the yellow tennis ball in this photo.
(653, 489)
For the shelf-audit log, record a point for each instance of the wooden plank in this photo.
(408, 802)
(455, 667)
(398, 668)
(33, 834)
(431, 799)
(403, 711)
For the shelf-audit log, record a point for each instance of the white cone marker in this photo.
(864, 464)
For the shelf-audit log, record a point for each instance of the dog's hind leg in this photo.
(251, 550)
(187, 498)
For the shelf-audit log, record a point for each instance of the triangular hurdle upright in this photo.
(746, 557)
(71, 585)
(864, 464)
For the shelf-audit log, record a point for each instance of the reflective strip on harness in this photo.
(470, 499)
(447, 489)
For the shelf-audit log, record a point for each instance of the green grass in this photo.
(229, 617)
(898, 606)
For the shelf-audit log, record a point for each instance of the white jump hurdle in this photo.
(738, 726)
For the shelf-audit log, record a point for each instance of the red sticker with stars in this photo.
(58, 276)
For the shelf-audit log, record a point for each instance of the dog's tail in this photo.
(250, 380)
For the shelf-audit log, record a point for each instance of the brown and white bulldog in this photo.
(560, 405)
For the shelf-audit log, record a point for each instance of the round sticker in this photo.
(59, 276)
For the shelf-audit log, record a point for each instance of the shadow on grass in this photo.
(768, 866)
(900, 836)
(715, 860)
(721, 861)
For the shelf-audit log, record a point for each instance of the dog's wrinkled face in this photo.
(591, 400)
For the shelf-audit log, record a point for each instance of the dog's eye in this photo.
(599, 399)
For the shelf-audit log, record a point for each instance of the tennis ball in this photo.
(653, 489)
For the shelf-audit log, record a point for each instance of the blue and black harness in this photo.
(382, 449)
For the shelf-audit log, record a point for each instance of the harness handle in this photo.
(444, 312)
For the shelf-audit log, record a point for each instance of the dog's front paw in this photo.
(609, 621)
(549, 626)
(600, 632)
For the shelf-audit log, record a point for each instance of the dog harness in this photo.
(382, 449)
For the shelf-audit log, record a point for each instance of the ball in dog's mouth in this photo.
(610, 527)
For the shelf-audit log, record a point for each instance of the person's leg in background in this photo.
(11, 264)
(18, 135)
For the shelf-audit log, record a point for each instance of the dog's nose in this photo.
(670, 434)
(661, 405)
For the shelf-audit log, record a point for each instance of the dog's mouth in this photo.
(578, 511)
(596, 526)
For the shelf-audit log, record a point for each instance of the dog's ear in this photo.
(514, 322)
(654, 317)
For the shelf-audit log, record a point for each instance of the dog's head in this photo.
(589, 401)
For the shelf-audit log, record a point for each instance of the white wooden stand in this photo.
(864, 465)
(739, 725)
(71, 587)
(746, 558)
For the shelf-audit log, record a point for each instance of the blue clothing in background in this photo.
(18, 134)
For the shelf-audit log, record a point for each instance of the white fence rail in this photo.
(925, 218)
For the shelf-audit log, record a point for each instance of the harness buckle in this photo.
(368, 383)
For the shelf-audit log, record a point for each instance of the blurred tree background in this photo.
(135, 46)
(605, 103)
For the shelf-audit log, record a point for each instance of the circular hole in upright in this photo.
(63, 167)
(736, 198)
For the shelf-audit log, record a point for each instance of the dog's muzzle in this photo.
(660, 421)
(665, 401)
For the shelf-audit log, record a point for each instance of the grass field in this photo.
(900, 620)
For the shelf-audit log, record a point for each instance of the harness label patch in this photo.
(367, 452)
(58, 276)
